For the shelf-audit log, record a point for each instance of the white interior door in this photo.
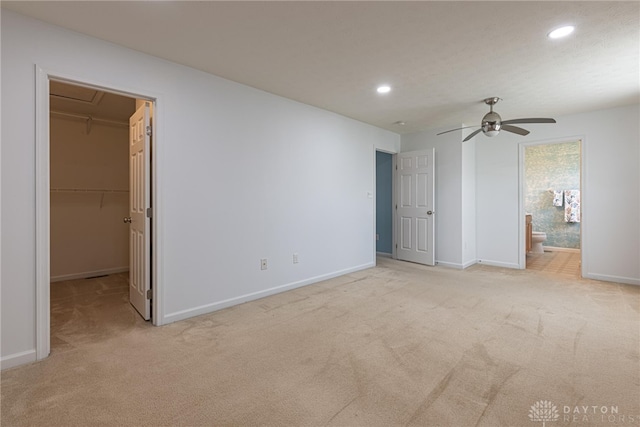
(415, 207)
(139, 189)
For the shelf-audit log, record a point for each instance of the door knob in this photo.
(430, 212)
(126, 220)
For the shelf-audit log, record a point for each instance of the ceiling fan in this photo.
(492, 123)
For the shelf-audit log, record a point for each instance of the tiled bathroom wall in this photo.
(552, 167)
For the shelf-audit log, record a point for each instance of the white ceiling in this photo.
(441, 58)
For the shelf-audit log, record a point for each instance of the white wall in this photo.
(88, 236)
(469, 254)
(610, 191)
(242, 175)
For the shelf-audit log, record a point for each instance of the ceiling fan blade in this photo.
(530, 120)
(515, 129)
(472, 134)
(447, 131)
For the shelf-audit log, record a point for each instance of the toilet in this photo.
(537, 237)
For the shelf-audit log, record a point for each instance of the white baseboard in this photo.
(455, 265)
(616, 279)
(498, 263)
(215, 306)
(17, 359)
(87, 274)
(557, 249)
(469, 263)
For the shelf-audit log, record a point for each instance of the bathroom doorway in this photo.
(551, 201)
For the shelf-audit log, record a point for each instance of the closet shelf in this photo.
(89, 118)
(86, 190)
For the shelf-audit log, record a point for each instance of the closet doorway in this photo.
(89, 197)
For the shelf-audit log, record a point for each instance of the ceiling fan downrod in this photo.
(491, 102)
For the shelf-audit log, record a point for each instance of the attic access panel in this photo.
(75, 93)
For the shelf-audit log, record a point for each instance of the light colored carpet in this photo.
(399, 344)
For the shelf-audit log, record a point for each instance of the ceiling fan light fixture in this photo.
(491, 129)
(492, 123)
(561, 32)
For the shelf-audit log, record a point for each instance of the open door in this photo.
(139, 189)
(415, 207)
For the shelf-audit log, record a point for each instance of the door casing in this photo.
(43, 214)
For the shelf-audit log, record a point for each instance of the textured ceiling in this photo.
(441, 58)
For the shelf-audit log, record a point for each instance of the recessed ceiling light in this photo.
(399, 123)
(384, 89)
(561, 32)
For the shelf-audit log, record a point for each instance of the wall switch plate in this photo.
(295, 258)
(377, 237)
(263, 264)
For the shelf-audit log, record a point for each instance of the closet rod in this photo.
(87, 117)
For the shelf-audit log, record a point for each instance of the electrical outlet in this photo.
(295, 258)
(377, 237)
(263, 264)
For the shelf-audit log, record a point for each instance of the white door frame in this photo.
(522, 258)
(394, 204)
(43, 217)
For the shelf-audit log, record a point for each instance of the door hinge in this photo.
(396, 207)
(149, 293)
(149, 212)
(396, 167)
(396, 246)
(148, 130)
